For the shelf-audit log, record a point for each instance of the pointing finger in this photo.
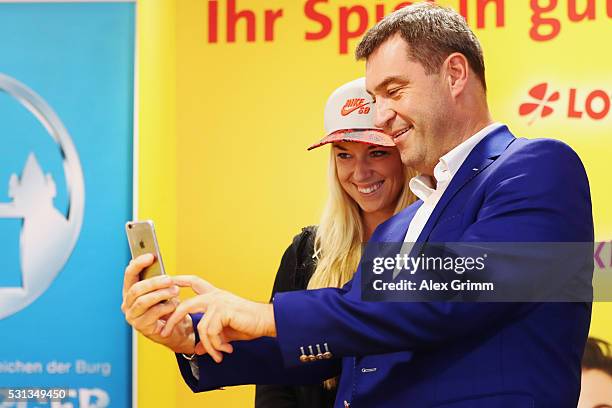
(194, 305)
(199, 285)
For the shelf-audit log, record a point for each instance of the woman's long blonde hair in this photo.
(337, 246)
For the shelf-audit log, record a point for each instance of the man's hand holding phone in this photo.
(148, 303)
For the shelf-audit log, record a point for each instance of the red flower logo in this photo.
(540, 107)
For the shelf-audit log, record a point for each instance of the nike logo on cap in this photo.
(352, 105)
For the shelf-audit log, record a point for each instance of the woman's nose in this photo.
(362, 171)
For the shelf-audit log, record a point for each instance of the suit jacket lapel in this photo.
(485, 153)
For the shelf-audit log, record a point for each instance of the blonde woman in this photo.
(368, 184)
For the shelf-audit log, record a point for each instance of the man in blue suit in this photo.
(477, 183)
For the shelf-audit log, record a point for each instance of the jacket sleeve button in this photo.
(327, 355)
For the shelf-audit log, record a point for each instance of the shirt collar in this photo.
(421, 186)
(449, 164)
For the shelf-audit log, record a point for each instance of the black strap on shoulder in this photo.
(304, 266)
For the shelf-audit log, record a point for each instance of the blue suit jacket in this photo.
(443, 354)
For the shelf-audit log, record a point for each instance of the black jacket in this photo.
(294, 272)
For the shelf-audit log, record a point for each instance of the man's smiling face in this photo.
(411, 105)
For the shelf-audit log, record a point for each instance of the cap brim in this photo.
(367, 136)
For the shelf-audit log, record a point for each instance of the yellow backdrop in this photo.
(224, 120)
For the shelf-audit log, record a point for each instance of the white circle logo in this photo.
(47, 237)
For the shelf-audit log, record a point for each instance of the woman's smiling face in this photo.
(371, 175)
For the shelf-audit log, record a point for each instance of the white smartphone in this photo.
(142, 240)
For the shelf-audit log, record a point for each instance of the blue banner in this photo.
(66, 120)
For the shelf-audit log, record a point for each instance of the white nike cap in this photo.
(349, 117)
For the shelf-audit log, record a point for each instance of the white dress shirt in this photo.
(445, 170)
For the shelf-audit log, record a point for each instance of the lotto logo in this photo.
(540, 106)
(579, 103)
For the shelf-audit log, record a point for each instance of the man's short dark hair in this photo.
(432, 32)
(597, 356)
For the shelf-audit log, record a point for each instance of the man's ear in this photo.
(457, 70)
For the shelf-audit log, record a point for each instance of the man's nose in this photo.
(384, 116)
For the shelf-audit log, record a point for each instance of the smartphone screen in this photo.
(142, 240)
